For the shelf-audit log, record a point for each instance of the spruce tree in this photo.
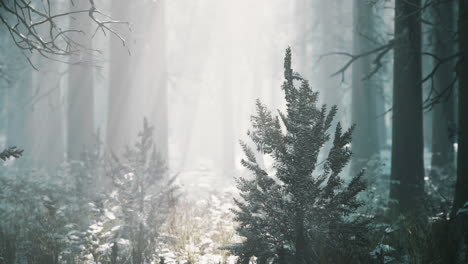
(302, 212)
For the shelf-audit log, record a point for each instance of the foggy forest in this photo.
(233, 132)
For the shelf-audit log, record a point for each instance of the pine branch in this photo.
(11, 152)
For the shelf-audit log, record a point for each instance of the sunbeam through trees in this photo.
(123, 132)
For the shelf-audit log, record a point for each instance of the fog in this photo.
(132, 132)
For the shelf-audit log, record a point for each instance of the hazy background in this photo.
(194, 69)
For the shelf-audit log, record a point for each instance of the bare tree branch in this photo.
(380, 51)
(35, 26)
(435, 95)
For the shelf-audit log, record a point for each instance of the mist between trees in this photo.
(209, 131)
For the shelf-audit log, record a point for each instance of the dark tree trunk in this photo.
(365, 138)
(300, 243)
(443, 113)
(407, 172)
(80, 125)
(461, 189)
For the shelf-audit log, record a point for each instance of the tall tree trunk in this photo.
(407, 171)
(4, 86)
(381, 122)
(363, 106)
(461, 193)
(48, 146)
(80, 126)
(48, 113)
(3, 110)
(159, 81)
(459, 234)
(227, 126)
(329, 88)
(383, 129)
(226, 102)
(117, 130)
(20, 114)
(442, 162)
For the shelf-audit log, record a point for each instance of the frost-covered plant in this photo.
(196, 231)
(303, 212)
(142, 195)
(93, 210)
(37, 211)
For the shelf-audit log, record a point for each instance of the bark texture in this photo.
(407, 167)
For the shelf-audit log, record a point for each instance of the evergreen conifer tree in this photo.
(144, 192)
(303, 212)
